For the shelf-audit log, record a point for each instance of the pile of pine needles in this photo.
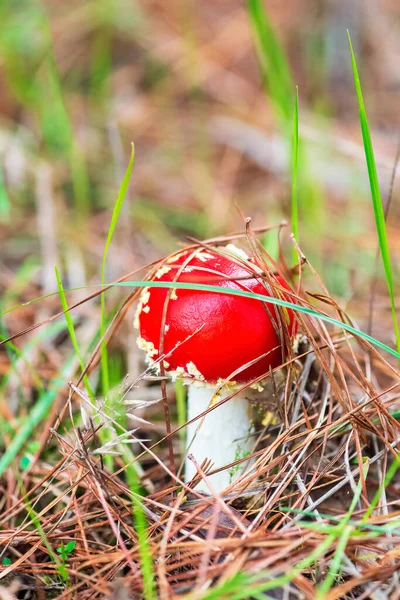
(97, 507)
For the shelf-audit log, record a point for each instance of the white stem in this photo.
(223, 436)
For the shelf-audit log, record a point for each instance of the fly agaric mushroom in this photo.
(215, 342)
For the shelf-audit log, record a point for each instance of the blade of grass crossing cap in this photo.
(117, 209)
(267, 300)
(376, 195)
(295, 156)
(71, 331)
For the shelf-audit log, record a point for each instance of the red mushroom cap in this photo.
(208, 336)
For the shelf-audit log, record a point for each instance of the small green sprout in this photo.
(64, 551)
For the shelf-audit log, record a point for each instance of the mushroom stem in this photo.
(222, 436)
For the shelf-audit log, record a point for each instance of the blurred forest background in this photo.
(79, 81)
(211, 117)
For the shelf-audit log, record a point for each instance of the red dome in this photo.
(230, 331)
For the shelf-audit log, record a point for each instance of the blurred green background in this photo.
(212, 126)
(206, 91)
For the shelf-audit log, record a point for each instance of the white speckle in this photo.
(203, 256)
(187, 270)
(136, 320)
(166, 364)
(193, 370)
(176, 257)
(198, 384)
(143, 299)
(179, 373)
(174, 295)
(148, 347)
(146, 309)
(237, 251)
(187, 378)
(145, 296)
(162, 271)
(243, 255)
(166, 328)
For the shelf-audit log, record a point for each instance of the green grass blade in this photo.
(268, 300)
(71, 330)
(388, 478)
(376, 195)
(38, 413)
(18, 355)
(21, 279)
(43, 404)
(295, 156)
(181, 409)
(280, 87)
(345, 531)
(5, 205)
(273, 62)
(146, 560)
(210, 288)
(335, 566)
(38, 526)
(117, 208)
(243, 586)
(56, 124)
(358, 526)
